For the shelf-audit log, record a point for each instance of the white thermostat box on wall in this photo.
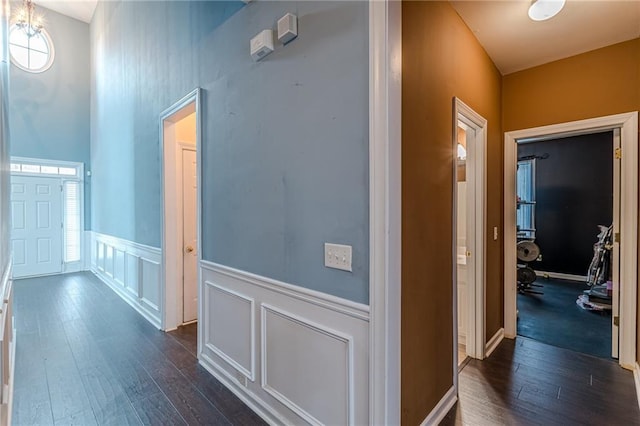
(262, 45)
(287, 28)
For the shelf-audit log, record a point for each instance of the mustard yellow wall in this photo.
(186, 129)
(441, 59)
(597, 83)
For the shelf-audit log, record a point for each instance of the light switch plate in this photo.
(337, 256)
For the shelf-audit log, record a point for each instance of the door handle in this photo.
(188, 249)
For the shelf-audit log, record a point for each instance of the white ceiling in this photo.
(515, 42)
(81, 10)
(502, 27)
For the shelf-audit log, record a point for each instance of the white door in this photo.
(615, 261)
(190, 243)
(36, 225)
(466, 258)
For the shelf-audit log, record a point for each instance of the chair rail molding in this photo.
(131, 270)
(267, 341)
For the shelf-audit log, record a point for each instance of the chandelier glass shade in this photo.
(27, 20)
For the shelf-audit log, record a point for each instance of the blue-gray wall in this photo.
(285, 149)
(49, 111)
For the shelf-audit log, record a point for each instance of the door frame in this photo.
(171, 307)
(67, 267)
(475, 302)
(628, 124)
(385, 165)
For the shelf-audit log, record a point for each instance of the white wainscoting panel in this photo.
(119, 266)
(296, 356)
(463, 304)
(132, 270)
(327, 356)
(131, 274)
(150, 273)
(236, 344)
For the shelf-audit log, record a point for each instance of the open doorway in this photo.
(565, 208)
(180, 138)
(624, 251)
(469, 148)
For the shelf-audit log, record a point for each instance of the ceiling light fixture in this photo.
(541, 10)
(27, 20)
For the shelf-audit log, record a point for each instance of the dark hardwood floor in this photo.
(525, 382)
(85, 357)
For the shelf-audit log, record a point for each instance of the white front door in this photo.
(36, 225)
(190, 243)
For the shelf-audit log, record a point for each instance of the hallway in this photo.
(525, 382)
(85, 357)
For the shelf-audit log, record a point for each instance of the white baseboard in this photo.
(250, 399)
(636, 380)
(561, 276)
(493, 343)
(248, 324)
(441, 409)
(131, 270)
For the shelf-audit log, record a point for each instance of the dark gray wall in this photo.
(50, 110)
(574, 193)
(285, 149)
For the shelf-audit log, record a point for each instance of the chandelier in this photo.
(27, 20)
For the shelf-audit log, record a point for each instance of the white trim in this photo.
(141, 253)
(385, 105)
(441, 409)
(348, 366)
(8, 342)
(7, 290)
(561, 276)
(316, 327)
(50, 59)
(81, 264)
(252, 401)
(54, 163)
(615, 252)
(171, 298)
(324, 300)
(494, 343)
(178, 160)
(475, 338)
(12, 361)
(628, 122)
(123, 244)
(249, 374)
(636, 381)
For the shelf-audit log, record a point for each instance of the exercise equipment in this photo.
(527, 251)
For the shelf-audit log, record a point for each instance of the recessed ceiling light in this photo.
(541, 10)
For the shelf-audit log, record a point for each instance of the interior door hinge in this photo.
(616, 321)
(618, 153)
(616, 237)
